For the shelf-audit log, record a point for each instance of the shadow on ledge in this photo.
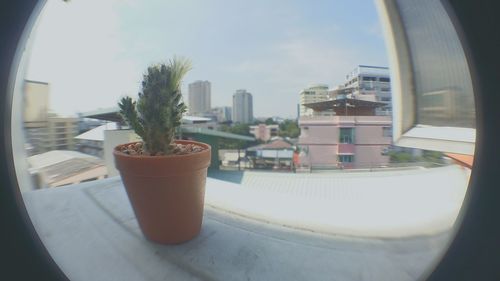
(229, 176)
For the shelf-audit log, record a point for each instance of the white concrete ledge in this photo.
(91, 232)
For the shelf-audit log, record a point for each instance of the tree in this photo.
(238, 129)
(270, 121)
(433, 156)
(400, 157)
(289, 128)
(430, 157)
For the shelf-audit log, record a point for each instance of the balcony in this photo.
(262, 226)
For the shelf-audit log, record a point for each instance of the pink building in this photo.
(354, 138)
(264, 132)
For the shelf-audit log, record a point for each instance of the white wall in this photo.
(112, 138)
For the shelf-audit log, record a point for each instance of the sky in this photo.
(93, 52)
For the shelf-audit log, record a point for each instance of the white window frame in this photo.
(406, 131)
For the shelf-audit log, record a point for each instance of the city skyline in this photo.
(274, 50)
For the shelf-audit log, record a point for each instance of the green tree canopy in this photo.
(289, 128)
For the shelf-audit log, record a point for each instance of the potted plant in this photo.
(164, 178)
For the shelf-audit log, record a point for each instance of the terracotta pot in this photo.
(167, 193)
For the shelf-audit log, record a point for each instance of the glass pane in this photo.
(442, 81)
(346, 135)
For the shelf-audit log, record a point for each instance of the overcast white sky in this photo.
(92, 52)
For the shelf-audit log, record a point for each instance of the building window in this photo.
(346, 135)
(369, 78)
(368, 86)
(387, 131)
(386, 99)
(346, 158)
(384, 79)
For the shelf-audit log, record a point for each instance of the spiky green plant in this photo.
(159, 109)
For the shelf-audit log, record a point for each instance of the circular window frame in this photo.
(470, 256)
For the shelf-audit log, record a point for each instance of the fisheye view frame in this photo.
(228, 141)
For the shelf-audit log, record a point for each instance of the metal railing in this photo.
(304, 165)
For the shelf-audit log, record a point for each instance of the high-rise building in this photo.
(242, 107)
(199, 96)
(315, 93)
(371, 83)
(36, 104)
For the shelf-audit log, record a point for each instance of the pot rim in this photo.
(207, 148)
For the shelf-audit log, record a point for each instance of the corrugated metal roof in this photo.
(354, 185)
(69, 168)
(57, 165)
(53, 157)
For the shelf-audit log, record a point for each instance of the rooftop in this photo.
(276, 144)
(368, 69)
(69, 168)
(373, 67)
(59, 165)
(215, 133)
(346, 106)
(97, 133)
(113, 114)
(53, 157)
(108, 114)
(36, 82)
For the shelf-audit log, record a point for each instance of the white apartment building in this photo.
(57, 134)
(315, 93)
(222, 113)
(371, 83)
(199, 97)
(242, 107)
(45, 131)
